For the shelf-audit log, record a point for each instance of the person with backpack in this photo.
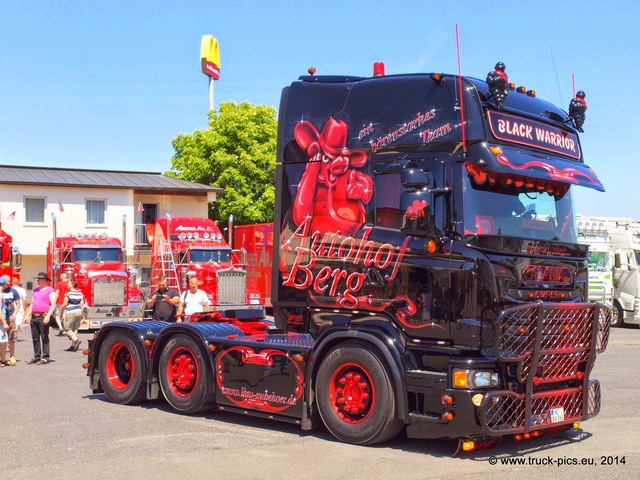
(73, 312)
(192, 301)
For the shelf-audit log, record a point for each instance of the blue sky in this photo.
(109, 84)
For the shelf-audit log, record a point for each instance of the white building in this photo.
(89, 201)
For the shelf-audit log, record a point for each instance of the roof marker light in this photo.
(439, 79)
(378, 69)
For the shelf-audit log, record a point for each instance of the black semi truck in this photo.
(427, 273)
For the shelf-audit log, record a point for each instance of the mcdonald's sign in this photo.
(210, 57)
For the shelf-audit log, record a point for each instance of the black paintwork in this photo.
(424, 293)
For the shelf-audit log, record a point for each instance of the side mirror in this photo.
(17, 260)
(415, 178)
(416, 212)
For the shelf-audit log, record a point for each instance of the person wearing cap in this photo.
(11, 303)
(43, 304)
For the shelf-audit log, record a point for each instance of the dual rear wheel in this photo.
(354, 391)
(182, 372)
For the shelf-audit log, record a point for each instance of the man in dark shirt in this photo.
(164, 301)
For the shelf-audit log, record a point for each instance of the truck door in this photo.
(626, 278)
(406, 215)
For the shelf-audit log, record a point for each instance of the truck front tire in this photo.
(183, 375)
(122, 369)
(617, 315)
(355, 397)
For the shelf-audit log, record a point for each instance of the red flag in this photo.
(60, 207)
(140, 207)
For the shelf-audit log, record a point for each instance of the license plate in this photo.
(557, 415)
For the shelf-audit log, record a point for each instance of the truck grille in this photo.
(551, 345)
(232, 287)
(109, 291)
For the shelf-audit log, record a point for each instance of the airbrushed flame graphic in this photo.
(564, 175)
(260, 400)
(406, 308)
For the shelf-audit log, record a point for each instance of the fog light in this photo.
(477, 399)
(468, 445)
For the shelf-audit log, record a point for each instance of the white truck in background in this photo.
(621, 238)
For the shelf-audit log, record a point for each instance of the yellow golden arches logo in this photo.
(210, 57)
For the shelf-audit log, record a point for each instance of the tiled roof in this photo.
(98, 178)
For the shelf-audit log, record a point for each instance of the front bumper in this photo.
(550, 349)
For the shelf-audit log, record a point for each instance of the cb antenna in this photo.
(462, 120)
(556, 73)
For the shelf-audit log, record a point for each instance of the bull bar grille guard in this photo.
(548, 343)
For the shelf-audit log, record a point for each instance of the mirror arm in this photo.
(439, 190)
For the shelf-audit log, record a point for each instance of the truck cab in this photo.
(98, 263)
(594, 234)
(10, 256)
(191, 246)
(625, 242)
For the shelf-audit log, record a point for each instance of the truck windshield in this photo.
(599, 261)
(526, 209)
(97, 255)
(209, 255)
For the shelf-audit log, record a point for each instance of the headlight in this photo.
(464, 378)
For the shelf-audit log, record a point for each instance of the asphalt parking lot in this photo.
(54, 427)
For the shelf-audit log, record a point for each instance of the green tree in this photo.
(238, 153)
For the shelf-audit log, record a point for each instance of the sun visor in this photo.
(515, 161)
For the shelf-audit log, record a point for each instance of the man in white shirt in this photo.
(192, 301)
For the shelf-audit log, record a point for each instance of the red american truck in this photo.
(257, 241)
(427, 274)
(194, 246)
(99, 264)
(10, 256)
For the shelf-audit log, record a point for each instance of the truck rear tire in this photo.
(355, 397)
(122, 369)
(183, 375)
